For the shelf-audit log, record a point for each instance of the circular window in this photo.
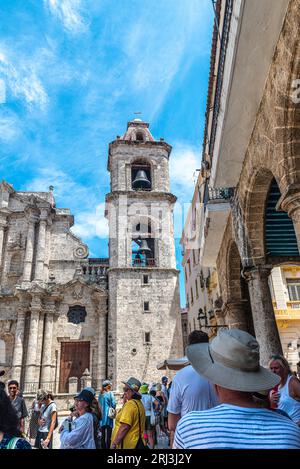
(134, 351)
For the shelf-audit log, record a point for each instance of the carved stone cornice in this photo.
(290, 201)
(255, 272)
(150, 195)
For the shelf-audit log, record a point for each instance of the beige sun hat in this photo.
(231, 360)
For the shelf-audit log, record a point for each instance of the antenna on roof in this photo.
(138, 113)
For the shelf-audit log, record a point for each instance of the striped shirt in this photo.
(232, 427)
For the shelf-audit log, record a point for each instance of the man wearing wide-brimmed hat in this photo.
(231, 362)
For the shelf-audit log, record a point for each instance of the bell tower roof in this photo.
(138, 131)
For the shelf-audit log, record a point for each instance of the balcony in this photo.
(213, 222)
(96, 270)
(289, 314)
(293, 304)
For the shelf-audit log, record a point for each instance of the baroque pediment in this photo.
(78, 288)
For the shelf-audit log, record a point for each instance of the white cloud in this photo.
(91, 224)
(20, 76)
(66, 189)
(9, 126)
(70, 13)
(184, 160)
(154, 60)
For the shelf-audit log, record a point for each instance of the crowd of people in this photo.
(222, 399)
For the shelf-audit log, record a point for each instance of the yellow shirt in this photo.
(129, 414)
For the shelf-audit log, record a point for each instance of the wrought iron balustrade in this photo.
(142, 262)
(219, 193)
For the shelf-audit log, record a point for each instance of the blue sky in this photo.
(73, 72)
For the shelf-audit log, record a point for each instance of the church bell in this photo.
(141, 181)
(144, 248)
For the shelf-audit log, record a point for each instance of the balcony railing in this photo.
(95, 270)
(32, 387)
(219, 193)
(293, 304)
(288, 314)
(143, 262)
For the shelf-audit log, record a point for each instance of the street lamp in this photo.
(203, 315)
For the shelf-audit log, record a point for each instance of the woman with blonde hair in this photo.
(286, 396)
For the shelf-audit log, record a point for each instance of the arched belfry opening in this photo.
(143, 245)
(280, 237)
(140, 136)
(141, 178)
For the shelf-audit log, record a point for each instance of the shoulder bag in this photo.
(111, 411)
(140, 443)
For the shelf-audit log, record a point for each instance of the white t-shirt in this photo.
(190, 391)
(47, 415)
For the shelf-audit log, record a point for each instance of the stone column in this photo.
(46, 370)
(101, 366)
(40, 258)
(31, 378)
(3, 224)
(290, 203)
(18, 346)
(262, 312)
(235, 314)
(29, 249)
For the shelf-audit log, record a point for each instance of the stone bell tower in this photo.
(144, 309)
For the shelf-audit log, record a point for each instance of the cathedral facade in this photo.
(63, 313)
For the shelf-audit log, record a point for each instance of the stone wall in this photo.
(132, 356)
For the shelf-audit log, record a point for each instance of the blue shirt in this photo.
(82, 435)
(106, 400)
(232, 427)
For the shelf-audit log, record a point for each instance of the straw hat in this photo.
(231, 360)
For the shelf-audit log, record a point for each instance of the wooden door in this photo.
(74, 359)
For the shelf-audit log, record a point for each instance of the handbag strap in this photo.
(140, 434)
(12, 443)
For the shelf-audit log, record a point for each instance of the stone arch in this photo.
(254, 213)
(141, 164)
(287, 98)
(145, 220)
(143, 231)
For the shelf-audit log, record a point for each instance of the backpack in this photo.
(12, 443)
